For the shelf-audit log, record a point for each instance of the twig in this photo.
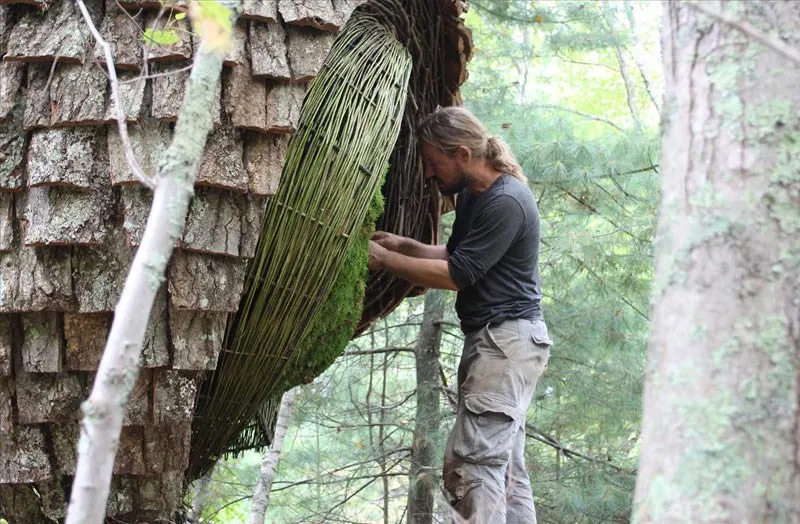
(580, 113)
(52, 72)
(750, 30)
(537, 434)
(156, 75)
(130, 157)
(314, 480)
(391, 349)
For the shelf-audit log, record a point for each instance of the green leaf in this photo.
(180, 16)
(161, 36)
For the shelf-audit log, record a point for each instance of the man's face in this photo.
(443, 169)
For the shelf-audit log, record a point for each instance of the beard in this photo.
(454, 188)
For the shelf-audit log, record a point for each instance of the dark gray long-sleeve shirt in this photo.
(494, 255)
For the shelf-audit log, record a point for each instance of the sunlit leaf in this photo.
(161, 36)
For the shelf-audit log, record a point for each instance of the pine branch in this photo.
(580, 113)
(390, 349)
(313, 480)
(393, 326)
(578, 62)
(539, 435)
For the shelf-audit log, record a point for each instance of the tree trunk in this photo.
(119, 365)
(270, 465)
(425, 462)
(720, 435)
(381, 436)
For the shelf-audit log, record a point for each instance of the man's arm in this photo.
(409, 246)
(425, 272)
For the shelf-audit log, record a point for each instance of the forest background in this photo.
(575, 88)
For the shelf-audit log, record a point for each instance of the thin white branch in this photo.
(104, 410)
(750, 30)
(269, 465)
(130, 156)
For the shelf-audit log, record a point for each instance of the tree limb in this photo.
(539, 435)
(391, 349)
(580, 113)
(750, 30)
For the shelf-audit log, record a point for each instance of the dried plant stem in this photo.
(122, 125)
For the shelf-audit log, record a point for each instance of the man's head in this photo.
(448, 171)
(457, 150)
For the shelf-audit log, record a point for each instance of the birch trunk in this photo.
(271, 456)
(425, 462)
(200, 497)
(720, 435)
(119, 366)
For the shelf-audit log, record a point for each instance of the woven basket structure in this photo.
(349, 124)
(440, 46)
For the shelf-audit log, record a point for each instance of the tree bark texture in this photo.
(425, 454)
(721, 430)
(119, 366)
(270, 465)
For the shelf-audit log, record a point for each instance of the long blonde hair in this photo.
(454, 126)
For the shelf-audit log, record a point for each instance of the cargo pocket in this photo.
(484, 430)
(539, 334)
(541, 343)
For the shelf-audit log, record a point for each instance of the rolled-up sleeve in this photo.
(492, 231)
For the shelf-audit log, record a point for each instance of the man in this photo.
(491, 259)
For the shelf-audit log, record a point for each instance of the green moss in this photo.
(736, 433)
(339, 315)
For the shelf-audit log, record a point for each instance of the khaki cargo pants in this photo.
(484, 462)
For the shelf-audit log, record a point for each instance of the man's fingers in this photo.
(374, 252)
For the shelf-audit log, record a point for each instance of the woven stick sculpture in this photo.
(349, 123)
(440, 45)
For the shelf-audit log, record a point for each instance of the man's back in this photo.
(494, 254)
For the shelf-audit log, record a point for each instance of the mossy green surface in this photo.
(339, 315)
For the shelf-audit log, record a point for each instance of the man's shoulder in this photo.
(515, 187)
(511, 190)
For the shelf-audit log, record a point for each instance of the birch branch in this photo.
(200, 497)
(271, 456)
(119, 365)
(122, 125)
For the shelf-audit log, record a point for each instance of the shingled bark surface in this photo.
(72, 215)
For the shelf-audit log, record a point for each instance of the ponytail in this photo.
(502, 159)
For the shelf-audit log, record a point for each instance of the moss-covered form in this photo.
(339, 314)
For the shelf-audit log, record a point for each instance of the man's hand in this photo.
(387, 240)
(377, 255)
